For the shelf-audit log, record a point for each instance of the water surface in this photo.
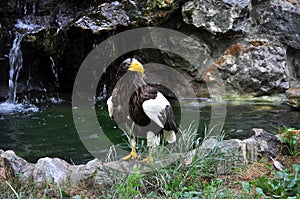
(51, 132)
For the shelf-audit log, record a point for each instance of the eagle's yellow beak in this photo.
(136, 66)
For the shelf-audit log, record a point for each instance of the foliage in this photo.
(26, 190)
(192, 179)
(158, 4)
(129, 188)
(196, 178)
(285, 185)
(291, 138)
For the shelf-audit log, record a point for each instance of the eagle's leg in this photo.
(152, 142)
(169, 136)
(133, 154)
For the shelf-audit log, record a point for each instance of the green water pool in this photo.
(51, 131)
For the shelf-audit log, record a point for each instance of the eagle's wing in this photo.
(156, 109)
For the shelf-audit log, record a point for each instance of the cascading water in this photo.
(16, 64)
(56, 81)
(23, 27)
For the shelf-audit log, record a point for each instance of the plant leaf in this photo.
(246, 187)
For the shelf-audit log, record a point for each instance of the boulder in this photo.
(111, 15)
(218, 16)
(52, 26)
(254, 66)
(52, 170)
(232, 152)
(278, 18)
(6, 170)
(19, 165)
(261, 144)
(293, 63)
(293, 97)
(106, 16)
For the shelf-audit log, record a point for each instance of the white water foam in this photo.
(55, 100)
(28, 25)
(13, 108)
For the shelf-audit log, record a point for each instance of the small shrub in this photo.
(291, 138)
(285, 185)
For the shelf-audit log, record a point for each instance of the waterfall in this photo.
(24, 26)
(16, 64)
(55, 74)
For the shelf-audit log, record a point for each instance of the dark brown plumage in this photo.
(133, 101)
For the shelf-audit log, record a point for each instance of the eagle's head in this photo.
(130, 64)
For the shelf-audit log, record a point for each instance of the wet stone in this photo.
(6, 170)
(293, 97)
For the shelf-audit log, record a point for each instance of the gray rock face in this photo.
(54, 170)
(293, 97)
(217, 16)
(268, 144)
(193, 48)
(52, 26)
(279, 18)
(6, 171)
(104, 17)
(261, 144)
(256, 66)
(293, 62)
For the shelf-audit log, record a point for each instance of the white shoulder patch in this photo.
(154, 108)
(110, 106)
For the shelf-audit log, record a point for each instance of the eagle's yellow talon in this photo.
(133, 155)
(145, 160)
(148, 159)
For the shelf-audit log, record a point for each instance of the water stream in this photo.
(23, 26)
(16, 64)
(54, 69)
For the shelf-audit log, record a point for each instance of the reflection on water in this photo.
(51, 132)
(241, 118)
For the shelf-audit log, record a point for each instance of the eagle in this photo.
(140, 110)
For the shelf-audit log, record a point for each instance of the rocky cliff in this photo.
(254, 45)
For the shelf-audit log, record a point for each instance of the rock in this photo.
(293, 63)
(135, 165)
(253, 66)
(279, 18)
(262, 144)
(233, 155)
(18, 164)
(196, 50)
(51, 170)
(293, 97)
(52, 26)
(106, 16)
(109, 16)
(250, 150)
(209, 144)
(54, 170)
(6, 170)
(217, 16)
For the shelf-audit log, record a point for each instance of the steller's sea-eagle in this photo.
(134, 101)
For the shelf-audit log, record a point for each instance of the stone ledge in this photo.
(58, 171)
(293, 97)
